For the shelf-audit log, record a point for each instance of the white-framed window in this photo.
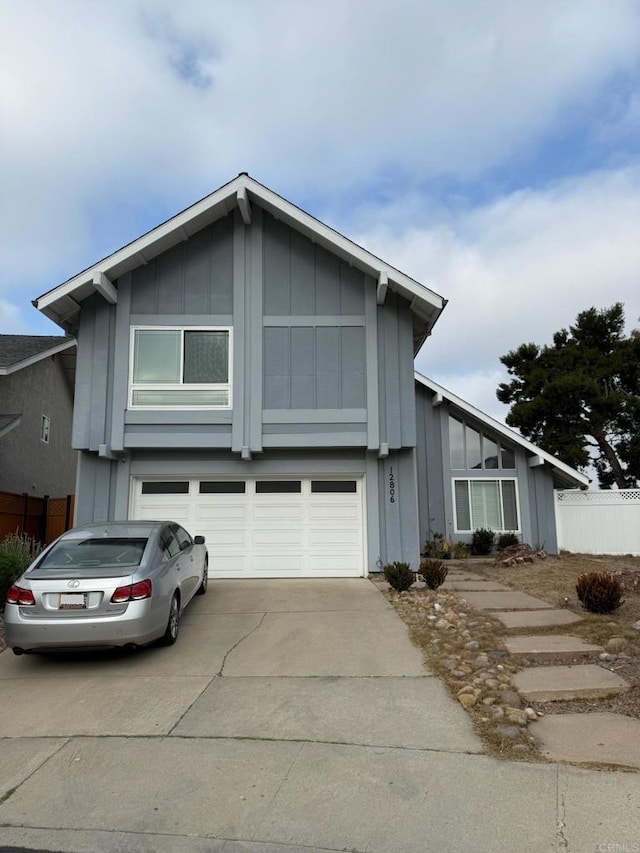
(173, 367)
(486, 503)
(45, 429)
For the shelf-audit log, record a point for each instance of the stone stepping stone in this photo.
(474, 586)
(601, 737)
(549, 647)
(555, 683)
(537, 618)
(506, 601)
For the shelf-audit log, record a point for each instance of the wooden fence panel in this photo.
(44, 519)
(59, 517)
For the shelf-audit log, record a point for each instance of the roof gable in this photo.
(63, 302)
(569, 476)
(20, 351)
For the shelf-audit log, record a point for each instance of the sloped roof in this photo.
(61, 304)
(19, 351)
(8, 422)
(564, 475)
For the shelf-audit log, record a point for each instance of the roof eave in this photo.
(62, 303)
(33, 359)
(560, 470)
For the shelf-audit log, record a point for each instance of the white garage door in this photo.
(265, 527)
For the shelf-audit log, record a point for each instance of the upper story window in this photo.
(45, 429)
(175, 368)
(473, 450)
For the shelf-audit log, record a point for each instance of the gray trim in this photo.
(174, 416)
(201, 440)
(239, 389)
(332, 439)
(98, 410)
(121, 363)
(373, 516)
(314, 320)
(181, 319)
(296, 428)
(372, 367)
(313, 416)
(255, 339)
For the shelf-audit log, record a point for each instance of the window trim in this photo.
(499, 480)
(172, 386)
(45, 429)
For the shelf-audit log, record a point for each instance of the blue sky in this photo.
(489, 148)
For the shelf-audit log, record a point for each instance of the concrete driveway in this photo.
(290, 716)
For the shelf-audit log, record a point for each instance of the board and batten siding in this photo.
(312, 351)
(435, 477)
(318, 369)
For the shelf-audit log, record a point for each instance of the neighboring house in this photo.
(36, 408)
(248, 371)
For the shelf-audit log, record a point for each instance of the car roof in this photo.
(120, 528)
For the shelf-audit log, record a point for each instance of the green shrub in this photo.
(17, 551)
(599, 592)
(482, 540)
(506, 540)
(433, 572)
(460, 551)
(398, 575)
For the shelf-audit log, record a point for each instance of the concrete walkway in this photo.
(291, 716)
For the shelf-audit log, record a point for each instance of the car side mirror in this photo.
(198, 540)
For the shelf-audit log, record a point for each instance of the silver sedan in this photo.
(116, 584)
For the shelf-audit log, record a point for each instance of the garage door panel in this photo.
(277, 512)
(337, 566)
(314, 531)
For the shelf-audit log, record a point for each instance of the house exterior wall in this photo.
(535, 490)
(27, 464)
(319, 372)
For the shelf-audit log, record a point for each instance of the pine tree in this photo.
(580, 398)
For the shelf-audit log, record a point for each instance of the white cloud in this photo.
(113, 110)
(518, 270)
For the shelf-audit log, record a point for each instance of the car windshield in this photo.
(102, 552)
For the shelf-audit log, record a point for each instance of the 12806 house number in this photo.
(392, 486)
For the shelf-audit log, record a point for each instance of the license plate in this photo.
(73, 601)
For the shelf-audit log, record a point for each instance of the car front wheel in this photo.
(171, 633)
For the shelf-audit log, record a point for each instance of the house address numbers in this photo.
(392, 485)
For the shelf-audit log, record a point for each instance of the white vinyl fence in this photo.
(603, 522)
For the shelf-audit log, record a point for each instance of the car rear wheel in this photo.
(171, 633)
(205, 579)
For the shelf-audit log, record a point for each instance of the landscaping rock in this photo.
(467, 700)
(510, 732)
(511, 698)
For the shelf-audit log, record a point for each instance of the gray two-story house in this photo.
(248, 371)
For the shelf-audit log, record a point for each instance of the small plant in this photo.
(599, 592)
(482, 540)
(506, 540)
(433, 547)
(438, 547)
(460, 551)
(17, 551)
(398, 575)
(433, 572)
